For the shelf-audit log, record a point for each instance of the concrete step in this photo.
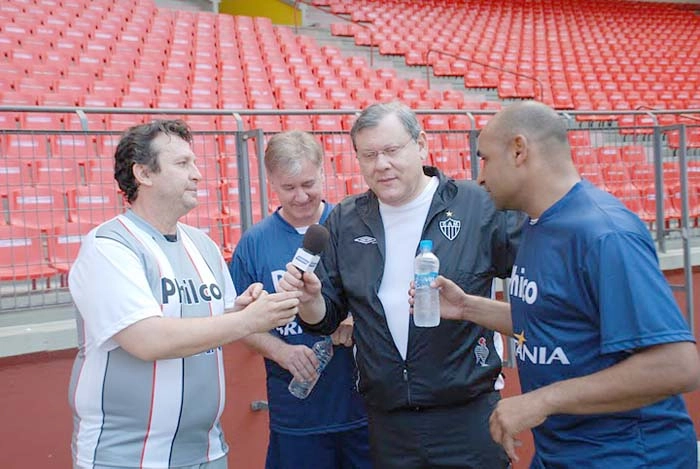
(186, 5)
(316, 23)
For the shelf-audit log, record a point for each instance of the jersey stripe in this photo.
(157, 447)
(91, 381)
(207, 277)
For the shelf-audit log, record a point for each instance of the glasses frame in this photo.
(390, 151)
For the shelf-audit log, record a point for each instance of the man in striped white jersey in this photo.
(147, 388)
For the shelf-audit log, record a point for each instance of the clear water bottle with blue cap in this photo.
(426, 302)
(324, 352)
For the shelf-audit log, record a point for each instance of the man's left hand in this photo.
(343, 334)
(512, 416)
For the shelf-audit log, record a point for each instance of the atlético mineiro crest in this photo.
(450, 227)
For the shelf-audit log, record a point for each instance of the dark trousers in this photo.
(348, 449)
(452, 437)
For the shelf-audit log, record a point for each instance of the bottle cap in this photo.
(426, 245)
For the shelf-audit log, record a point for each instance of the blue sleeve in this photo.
(241, 266)
(636, 306)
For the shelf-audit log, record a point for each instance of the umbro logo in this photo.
(366, 240)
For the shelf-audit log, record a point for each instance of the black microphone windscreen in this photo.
(315, 239)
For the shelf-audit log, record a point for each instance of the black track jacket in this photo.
(474, 243)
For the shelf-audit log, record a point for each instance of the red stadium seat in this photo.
(608, 154)
(447, 161)
(14, 174)
(63, 246)
(355, 185)
(346, 164)
(326, 123)
(93, 204)
(579, 138)
(633, 154)
(592, 172)
(39, 208)
(56, 173)
(21, 255)
(436, 122)
(26, 146)
(584, 155)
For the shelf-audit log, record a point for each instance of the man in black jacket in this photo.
(429, 394)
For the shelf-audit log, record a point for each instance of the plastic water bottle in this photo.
(324, 352)
(426, 302)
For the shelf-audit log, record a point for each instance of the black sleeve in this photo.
(507, 240)
(329, 274)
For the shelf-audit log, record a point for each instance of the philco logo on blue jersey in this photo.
(188, 292)
(521, 287)
(527, 290)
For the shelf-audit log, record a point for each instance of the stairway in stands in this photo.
(316, 22)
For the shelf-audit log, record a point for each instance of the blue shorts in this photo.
(339, 450)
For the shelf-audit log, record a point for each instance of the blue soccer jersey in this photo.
(586, 292)
(333, 405)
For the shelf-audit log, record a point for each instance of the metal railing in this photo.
(246, 191)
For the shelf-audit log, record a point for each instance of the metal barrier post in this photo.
(243, 160)
(685, 231)
(473, 150)
(659, 190)
(262, 176)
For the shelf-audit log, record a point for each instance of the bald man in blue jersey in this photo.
(603, 350)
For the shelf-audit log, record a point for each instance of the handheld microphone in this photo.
(307, 256)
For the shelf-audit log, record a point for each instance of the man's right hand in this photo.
(308, 283)
(452, 298)
(271, 310)
(299, 360)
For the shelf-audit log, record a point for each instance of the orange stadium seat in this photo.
(633, 154)
(21, 255)
(593, 173)
(608, 154)
(63, 246)
(337, 144)
(55, 172)
(436, 122)
(31, 146)
(97, 171)
(296, 122)
(326, 123)
(447, 161)
(456, 143)
(68, 145)
(346, 164)
(579, 138)
(355, 184)
(14, 174)
(93, 203)
(38, 207)
(674, 195)
(209, 200)
(584, 155)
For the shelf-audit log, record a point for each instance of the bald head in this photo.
(538, 123)
(526, 158)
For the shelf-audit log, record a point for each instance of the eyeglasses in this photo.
(388, 151)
